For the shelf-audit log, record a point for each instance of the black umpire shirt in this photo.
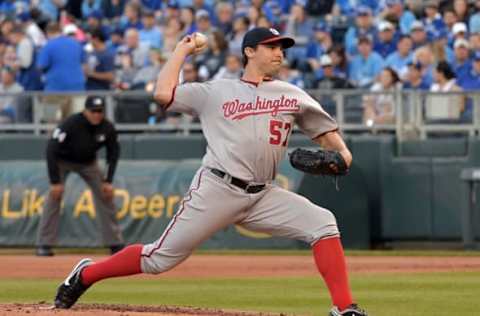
(76, 140)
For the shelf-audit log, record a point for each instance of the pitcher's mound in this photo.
(44, 309)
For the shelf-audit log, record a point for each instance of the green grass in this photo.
(425, 294)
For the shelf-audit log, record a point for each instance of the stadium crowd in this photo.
(74, 45)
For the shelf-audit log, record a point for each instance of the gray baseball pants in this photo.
(212, 204)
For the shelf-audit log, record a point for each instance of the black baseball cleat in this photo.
(72, 288)
(352, 310)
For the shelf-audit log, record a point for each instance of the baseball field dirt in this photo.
(26, 267)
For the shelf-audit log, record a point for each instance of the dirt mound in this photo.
(43, 309)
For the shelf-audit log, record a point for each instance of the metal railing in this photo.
(135, 111)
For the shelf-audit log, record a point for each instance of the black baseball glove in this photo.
(320, 162)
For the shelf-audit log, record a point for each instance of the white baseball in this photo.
(200, 40)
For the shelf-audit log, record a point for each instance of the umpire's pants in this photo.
(105, 209)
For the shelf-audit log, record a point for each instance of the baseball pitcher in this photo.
(247, 124)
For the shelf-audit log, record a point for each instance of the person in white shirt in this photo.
(8, 103)
(444, 108)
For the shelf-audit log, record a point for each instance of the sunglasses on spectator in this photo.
(96, 110)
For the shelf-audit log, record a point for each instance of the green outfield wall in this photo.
(394, 192)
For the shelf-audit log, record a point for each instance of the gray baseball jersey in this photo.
(247, 127)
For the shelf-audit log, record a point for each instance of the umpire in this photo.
(73, 148)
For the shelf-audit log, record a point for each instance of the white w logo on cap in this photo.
(274, 32)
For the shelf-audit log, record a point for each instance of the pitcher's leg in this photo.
(106, 210)
(330, 262)
(203, 212)
(286, 214)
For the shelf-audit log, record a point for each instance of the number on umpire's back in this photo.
(59, 135)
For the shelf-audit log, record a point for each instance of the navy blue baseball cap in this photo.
(94, 102)
(263, 35)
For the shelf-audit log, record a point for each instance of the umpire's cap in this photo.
(94, 102)
(263, 35)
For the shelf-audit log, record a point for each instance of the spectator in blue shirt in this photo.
(320, 45)
(418, 34)
(28, 75)
(347, 7)
(363, 27)
(7, 7)
(207, 6)
(113, 9)
(61, 60)
(172, 10)
(100, 68)
(51, 8)
(274, 13)
(462, 63)
(285, 5)
(425, 57)
(153, 5)
(150, 33)
(399, 59)
(414, 79)
(474, 20)
(386, 40)
(91, 6)
(366, 65)
(203, 22)
(187, 17)
(433, 19)
(472, 80)
(131, 17)
(94, 22)
(115, 41)
(395, 9)
(300, 27)
(225, 13)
